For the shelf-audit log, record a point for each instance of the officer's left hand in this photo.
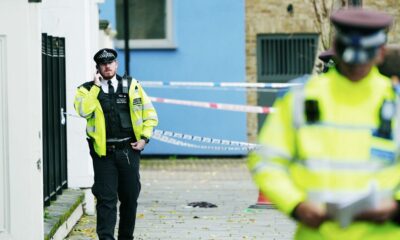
(381, 214)
(139, 145)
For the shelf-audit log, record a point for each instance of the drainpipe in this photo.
(126, 35)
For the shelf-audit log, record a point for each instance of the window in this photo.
(150, 24)
(355, 3)
(282, 57)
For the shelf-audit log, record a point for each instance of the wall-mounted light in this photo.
(290, 9)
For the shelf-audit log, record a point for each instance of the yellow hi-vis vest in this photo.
(339, 154)
(143, 115)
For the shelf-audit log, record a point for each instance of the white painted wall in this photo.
(21, 25)
(20, 113)
(78, 22)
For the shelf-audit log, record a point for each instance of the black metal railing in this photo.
(54, 122)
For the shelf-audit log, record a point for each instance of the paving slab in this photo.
(169, 185)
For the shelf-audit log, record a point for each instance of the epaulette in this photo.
(87, 85)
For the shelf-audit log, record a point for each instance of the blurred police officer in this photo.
(327, 59)
(390, 65)
(120, 121)
(334, 137)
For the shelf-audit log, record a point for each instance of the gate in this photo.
(54, 122)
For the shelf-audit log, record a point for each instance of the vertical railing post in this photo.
(126, 36)
(62, 109)
(50, 126)
(55, 112)
(46, 187)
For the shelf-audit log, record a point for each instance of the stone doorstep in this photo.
(62, 214)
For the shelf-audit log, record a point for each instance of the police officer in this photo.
(335, 137)
(120, 121)
(327, 59)
(390, 65)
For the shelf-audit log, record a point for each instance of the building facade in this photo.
(24, 27)
(20, 121)
(194, 41)
(280, 21)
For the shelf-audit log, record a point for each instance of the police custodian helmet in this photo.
(326, 55)
(105, 55)
(359, 34)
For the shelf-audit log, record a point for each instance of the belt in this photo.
(115, 143)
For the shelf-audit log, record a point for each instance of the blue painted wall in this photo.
(210, 40)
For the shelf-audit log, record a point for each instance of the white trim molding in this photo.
(4, 155)
(167, 43)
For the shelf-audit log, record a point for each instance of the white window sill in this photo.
(146, 44)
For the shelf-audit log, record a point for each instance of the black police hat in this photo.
(360, 33)
(105, 55)
(360, 20)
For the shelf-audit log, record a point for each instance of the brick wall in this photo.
(272, 16)
(391, 7)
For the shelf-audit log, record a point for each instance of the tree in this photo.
(323, 10)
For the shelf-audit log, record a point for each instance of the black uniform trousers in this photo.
(116, 176)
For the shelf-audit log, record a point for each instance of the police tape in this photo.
(219, 84)
(208, 140)
(171, 138)
(177, 142)
(230, 89)
(218, 106)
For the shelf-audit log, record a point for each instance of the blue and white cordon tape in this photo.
(228, 145)
(219, 84)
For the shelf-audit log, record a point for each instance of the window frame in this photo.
(297, 42)
(355, 3)
(166, 43)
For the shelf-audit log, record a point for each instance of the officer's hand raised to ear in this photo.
(96, 79)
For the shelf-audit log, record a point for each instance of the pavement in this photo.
(169, 185)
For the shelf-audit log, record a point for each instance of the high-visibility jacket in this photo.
(143, 115)
(325, 139)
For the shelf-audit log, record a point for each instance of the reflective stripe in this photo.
(342, 126)
(298, 106)
(268, 152)
(397, 123)
(342, 165)
(139, 122)
(79, 100)
(324, 196)
(137, 108)
(266, 166)
(151, 118)
(90, 129)
(148, 106)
